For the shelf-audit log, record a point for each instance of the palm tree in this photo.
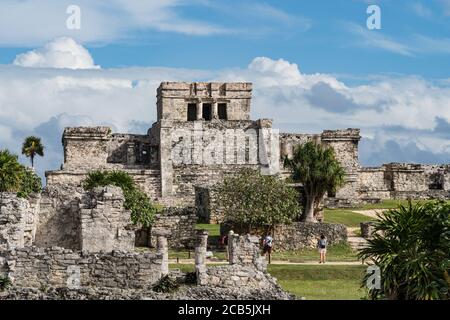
(411, 246)
(32, 146)
(316, 167)
(10, 172)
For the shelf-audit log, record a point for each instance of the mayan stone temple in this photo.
(213, 110)
(70, 243)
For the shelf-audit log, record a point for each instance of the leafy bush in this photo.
(14, 177)
(5, 283)
(30, 183)
(142, 210)
(411, 247)
(166, 285)
(252, 200)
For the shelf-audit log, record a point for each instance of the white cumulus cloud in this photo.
(60, 53)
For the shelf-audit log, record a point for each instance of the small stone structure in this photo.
(298, 235)
(247, 270)
(18, 219)
(57, 267)
(105, 223)
(181, 223)
(367, 229)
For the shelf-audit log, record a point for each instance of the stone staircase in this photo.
(356, 242)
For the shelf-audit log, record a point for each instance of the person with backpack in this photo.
(267, 245)
(322, 247)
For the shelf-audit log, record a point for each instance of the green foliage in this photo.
(10, 172)
(166, 285)
(31, 147)
(412, 248)
(14, 177)
(316, 167)
(5, 283)
(142, 209)
(253, 200)
(30, 183)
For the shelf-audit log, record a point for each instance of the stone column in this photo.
(215, 110)
(162, 248)
(199, 110)
(200, 255)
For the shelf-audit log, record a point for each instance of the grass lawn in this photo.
(320, 282)
(345, 216)
(213, 229)
(339, 252)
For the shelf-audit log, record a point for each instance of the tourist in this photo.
(268, 245)
(322, 246)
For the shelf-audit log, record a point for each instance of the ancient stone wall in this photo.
(57, 267)
(180, 223)
(59, 217)
(18, 220)
(105, 223)
(297, 235)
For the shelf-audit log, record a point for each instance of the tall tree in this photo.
(315, 166)
(32, 146)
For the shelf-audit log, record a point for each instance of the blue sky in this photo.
(318, 34)
(314, 65)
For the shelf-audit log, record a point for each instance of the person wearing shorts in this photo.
(322, 247)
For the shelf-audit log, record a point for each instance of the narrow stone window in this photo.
(207, 111)
(192, 112)
(222, 110)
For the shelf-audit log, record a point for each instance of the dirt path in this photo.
(370, 213)
(275, 262)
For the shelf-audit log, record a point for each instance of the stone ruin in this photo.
(204, 132)
(100, 260)
(68, 238)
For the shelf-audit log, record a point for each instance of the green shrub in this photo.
(142, 209)
(252, 200)
(411, 246)
(5, 283)
(166, 285)
(30, 183)
(15, 177)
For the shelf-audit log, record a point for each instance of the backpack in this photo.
(322, 243)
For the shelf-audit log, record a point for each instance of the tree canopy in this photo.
(31, 147)
(315, 166)
(252, 200)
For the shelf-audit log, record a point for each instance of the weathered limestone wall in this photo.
(298, 235)
(149, 180)
(404, 180)
(105, 223)
(59, 217)
(173, 99)
(18, 220)
(224, 147)
(57, 267)
(180, 225)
